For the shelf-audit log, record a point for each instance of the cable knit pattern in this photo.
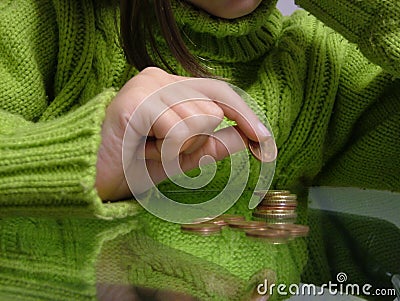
(53, 259)
(330, 93)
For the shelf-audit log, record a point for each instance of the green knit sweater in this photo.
(331, 94)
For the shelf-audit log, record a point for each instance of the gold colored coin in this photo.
(286, 197)
(286, 201)
(277, 192)
(271, 192)
(276, 211)
(278, 206)
(267, 215)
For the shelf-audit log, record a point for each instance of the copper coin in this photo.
(232, 217)
(294, 229)
(219, 221)
(204, 228)
(264, 151)
(299, 230)
(248, 225)
(268, 233)
(202, 220)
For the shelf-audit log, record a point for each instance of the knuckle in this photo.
(217, 111)
(156, 74)
(179, 132)
(214, 113)
(214, 149)
(152, 71)
(221, 84)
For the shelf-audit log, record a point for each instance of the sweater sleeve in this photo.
(361, 145)
(50, 166)
(374, 25)
(47, 168)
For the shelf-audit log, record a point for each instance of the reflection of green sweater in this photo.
(334, 106)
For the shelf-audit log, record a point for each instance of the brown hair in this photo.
(137, 36)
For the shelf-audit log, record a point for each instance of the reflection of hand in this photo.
(120, 292)
(163, 120)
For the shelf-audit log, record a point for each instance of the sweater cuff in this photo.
(49, 168)
(372, 24)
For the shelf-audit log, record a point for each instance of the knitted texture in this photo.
(332, 105)
(53, 259)
(147, 262)
(365, 250)
(49, 167)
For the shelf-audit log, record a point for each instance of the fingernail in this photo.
(263, 131)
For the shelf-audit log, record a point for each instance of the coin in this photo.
(202, 220)
(203, 228)
(271, 235)
(267, 215)
(219, 221)
(289, 197)
(248, 225)
(232, 217)
(299, 230)
(271, 192)
(277, 202)
(275, 211)
(264, 151)
(277, 192)
(281, 206)
(270, 214)
(295, 230)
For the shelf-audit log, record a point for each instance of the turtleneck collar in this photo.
(239, 40)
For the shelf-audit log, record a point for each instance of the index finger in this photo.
(233, 106)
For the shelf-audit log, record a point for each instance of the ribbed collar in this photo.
(238, 40)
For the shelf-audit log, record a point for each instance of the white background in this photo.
(286, 6)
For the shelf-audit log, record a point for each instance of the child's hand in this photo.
(163, 120)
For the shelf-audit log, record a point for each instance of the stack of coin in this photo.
(277, 207)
